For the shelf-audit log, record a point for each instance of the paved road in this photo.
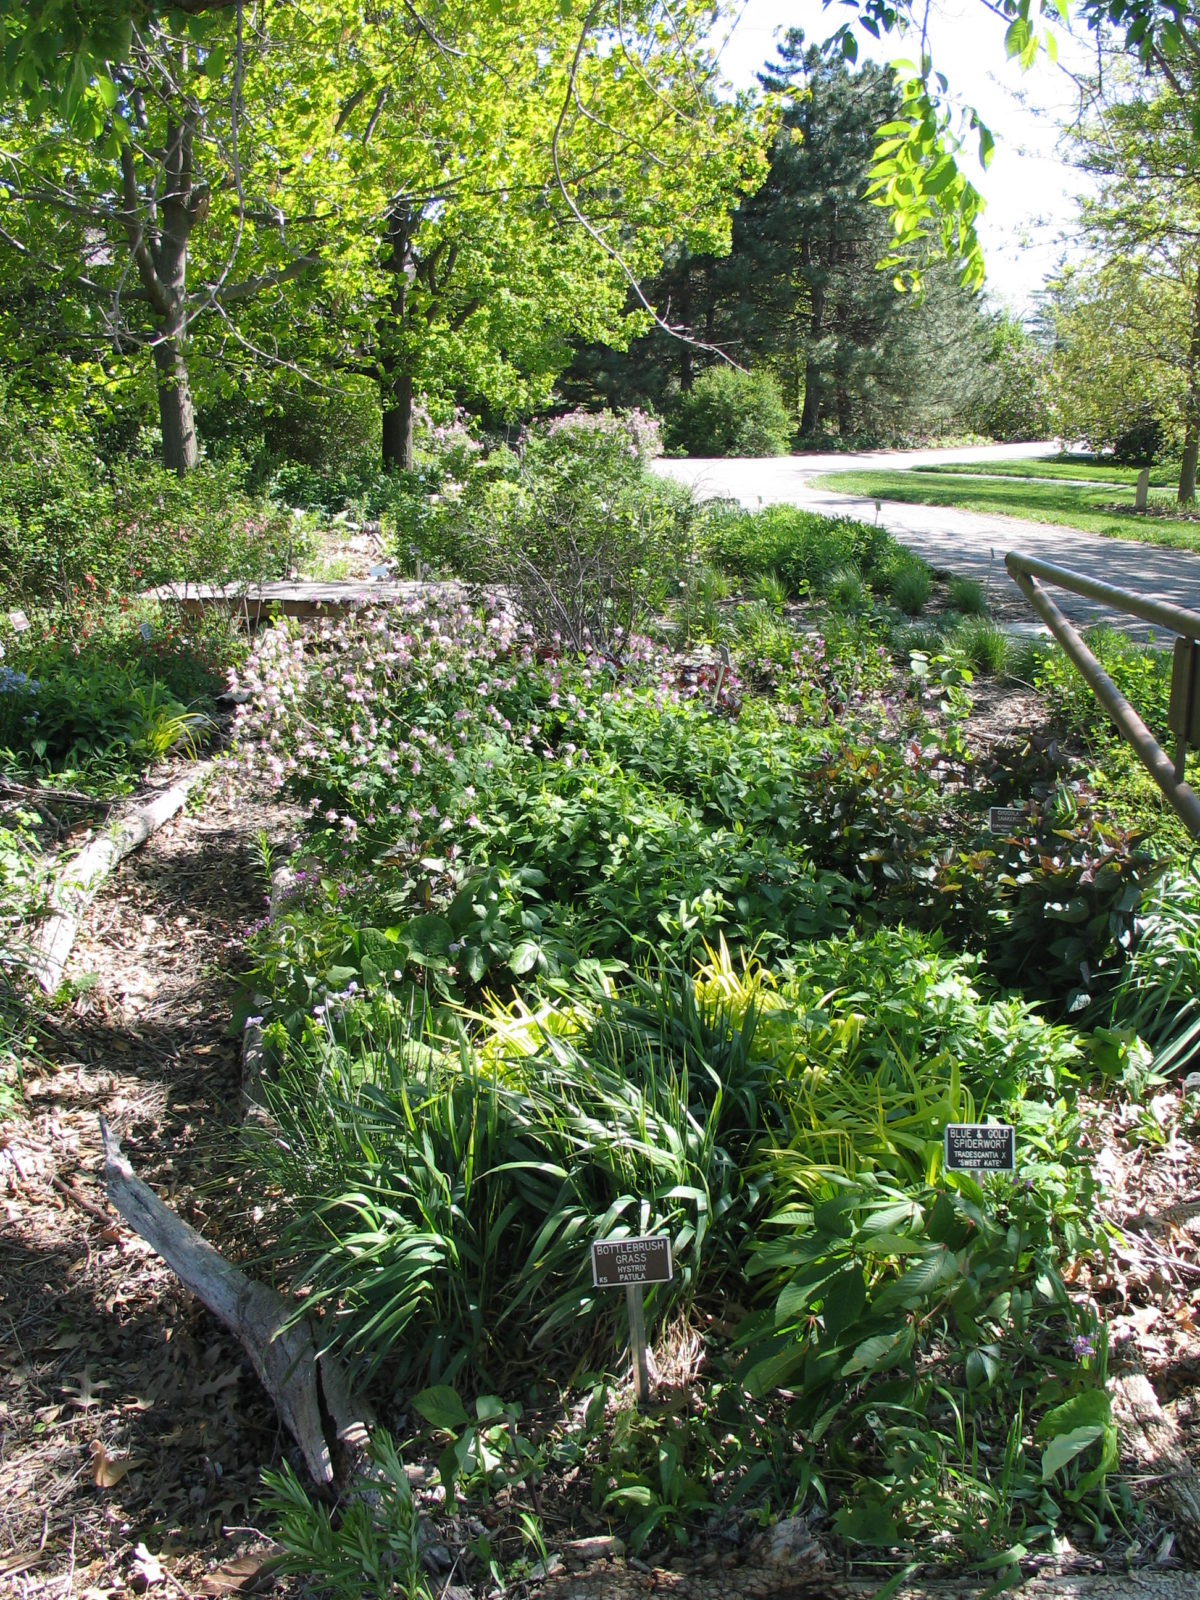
(966, 542)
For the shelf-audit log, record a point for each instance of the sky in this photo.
(1029, 188)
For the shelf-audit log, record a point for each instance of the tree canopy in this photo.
(356, 191)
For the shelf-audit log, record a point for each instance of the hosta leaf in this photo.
(1092, 1408)
(1063, 1449)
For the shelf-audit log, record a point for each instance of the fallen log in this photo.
(1151, 1441)
(81, 878)
(307, 1388)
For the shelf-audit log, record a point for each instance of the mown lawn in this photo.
(1068, 467)
(1072, 505)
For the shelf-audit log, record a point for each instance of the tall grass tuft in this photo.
(983, 645)
(1157, 994)
(910, 583)
(968, 596)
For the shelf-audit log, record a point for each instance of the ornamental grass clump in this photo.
(1156, 994)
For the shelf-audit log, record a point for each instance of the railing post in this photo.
(1024, 571)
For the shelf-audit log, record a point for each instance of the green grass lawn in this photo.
(1072, 505)
(1079, 467)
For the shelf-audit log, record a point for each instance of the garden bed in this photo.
(588, 941)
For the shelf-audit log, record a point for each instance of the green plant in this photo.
(968, 596)
(698, 609)
(1054, 903)
(22, 884)
(585, 541)
(444, 1196)
(485, 1453)
(371, 1547)
(768, 588)
(1142, 674)
(846, 590)
(1155, 993)
(910, 583)
(798, 550)
(728, 412)
(983, 645)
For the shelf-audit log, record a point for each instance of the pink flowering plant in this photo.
(484, 811)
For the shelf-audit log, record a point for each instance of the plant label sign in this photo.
(617, 1263)
(1003, 819)
(18, 621)
(630, 1264)
(981, 1147)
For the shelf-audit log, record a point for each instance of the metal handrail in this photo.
(1168, 774)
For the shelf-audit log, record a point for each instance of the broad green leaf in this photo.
(1063, 1449)
(441, 1408)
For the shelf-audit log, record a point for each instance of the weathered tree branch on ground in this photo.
(1151, 1440)
(79, 880)
(305, 1387)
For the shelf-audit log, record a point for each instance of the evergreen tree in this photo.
(801, 292)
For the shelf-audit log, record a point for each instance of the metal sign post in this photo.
(631, 1264)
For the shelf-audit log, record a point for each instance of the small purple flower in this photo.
(1082, 1347)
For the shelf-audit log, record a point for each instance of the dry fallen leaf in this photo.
(107, 1472)
(233, 1575)
(147, 1570)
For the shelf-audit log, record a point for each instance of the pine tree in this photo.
(800, 292)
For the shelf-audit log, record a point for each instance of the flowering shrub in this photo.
(484, 810)
(583, 539)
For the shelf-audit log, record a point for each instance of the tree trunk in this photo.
(1187, 468)
(845, 414)
(398, 423)
(683, 318)
(810, 416)
(158, 217)
(180, 447)
(1191, 408)
(396, 383)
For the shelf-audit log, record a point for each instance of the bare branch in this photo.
(267, 280)
(614, 255)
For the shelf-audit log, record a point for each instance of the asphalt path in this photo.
(967, 542)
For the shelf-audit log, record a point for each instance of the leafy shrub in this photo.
(201, 528)
(1140, 444)
(798, 548)
(731, 413)
(1142, 674)
(1053, 904)
(102, 712)
(586, 542)
(99, 686)
(55, 505)
(66, 521)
